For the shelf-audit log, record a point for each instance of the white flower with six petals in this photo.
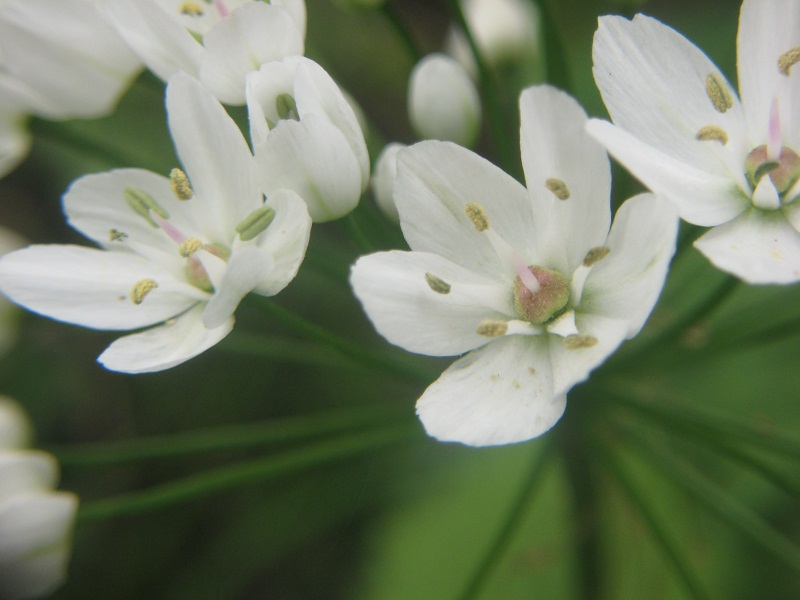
(530, 282)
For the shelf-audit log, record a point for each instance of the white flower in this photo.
(306, 136)
(530, 282)
(384, 177)
(58, 60)
(35, 521)
(219, 42)
(503, 29)
(177, 254)
(726, 163)
(443, 103)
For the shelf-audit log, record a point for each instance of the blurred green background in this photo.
(672, 475)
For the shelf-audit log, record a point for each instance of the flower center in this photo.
(784, 171)
(547, 302)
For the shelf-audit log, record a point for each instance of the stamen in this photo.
(595, 255)
(142, 203)
(788, 59)
(115, 235)
(255, 223)
(437, 285)
(712, 133)
(477, 215)
(718, 93)
(287, 107)
(141, 288)
(189, 246)
(576, 342)
(558, 187)
(490, 328)
(525, 275)
(180, 185)
(191, 8)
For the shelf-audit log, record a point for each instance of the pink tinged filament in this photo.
(774, 138)
(221, 8)
(175, 234)
(527, 278)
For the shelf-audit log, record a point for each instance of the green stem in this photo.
(718, 501)
(509, 527)
(555, 53)
(284, 349)
(506, 145)
(64, 134)
(256, 471)
(224, 438)
(366, 357)
(672, 550)
(405, 34)
(356, 233)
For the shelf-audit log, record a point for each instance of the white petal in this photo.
(404, 308)
(499, 394)
(164, 346)
(15, 141)
(286, 240)
(253, 34)
(65, 50)
(766, 196)
(435, 181)
(92, 287)
(653, 83)
(317, 93)
(16, 430)
(702, 198)
(555, 145)
(215, 156)
(443, 103)
(312, 158)
(95, 205)
(768, 29)
(24, 471)
(159, 40)
(571, 366)
(35, 532)
(297, 10)
(625, 284)
(758, 247)
(248, 266)
(384, 177)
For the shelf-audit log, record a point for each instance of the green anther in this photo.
(477, 215)
(287, 107)
(712, 133)
(595, 255)
(437, 285)
(558, 187)
(142, 203)
(255, 223)
(718, 93)
(490, 328)
(788, 59)
(576, 342)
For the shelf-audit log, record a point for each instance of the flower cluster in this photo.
(35, 521)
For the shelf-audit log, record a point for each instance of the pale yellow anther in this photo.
(115, 235)
(712, 133)
(189, 246)
(491, 328)
(558, 187)
(141, 288)
(595, 255)
(788, 59)
(437, 285)
(180, 185)
(192, 9)
(477, 215)
(717, 92)
(576, 342)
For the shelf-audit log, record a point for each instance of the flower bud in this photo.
(443, 103)
(383, 179)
